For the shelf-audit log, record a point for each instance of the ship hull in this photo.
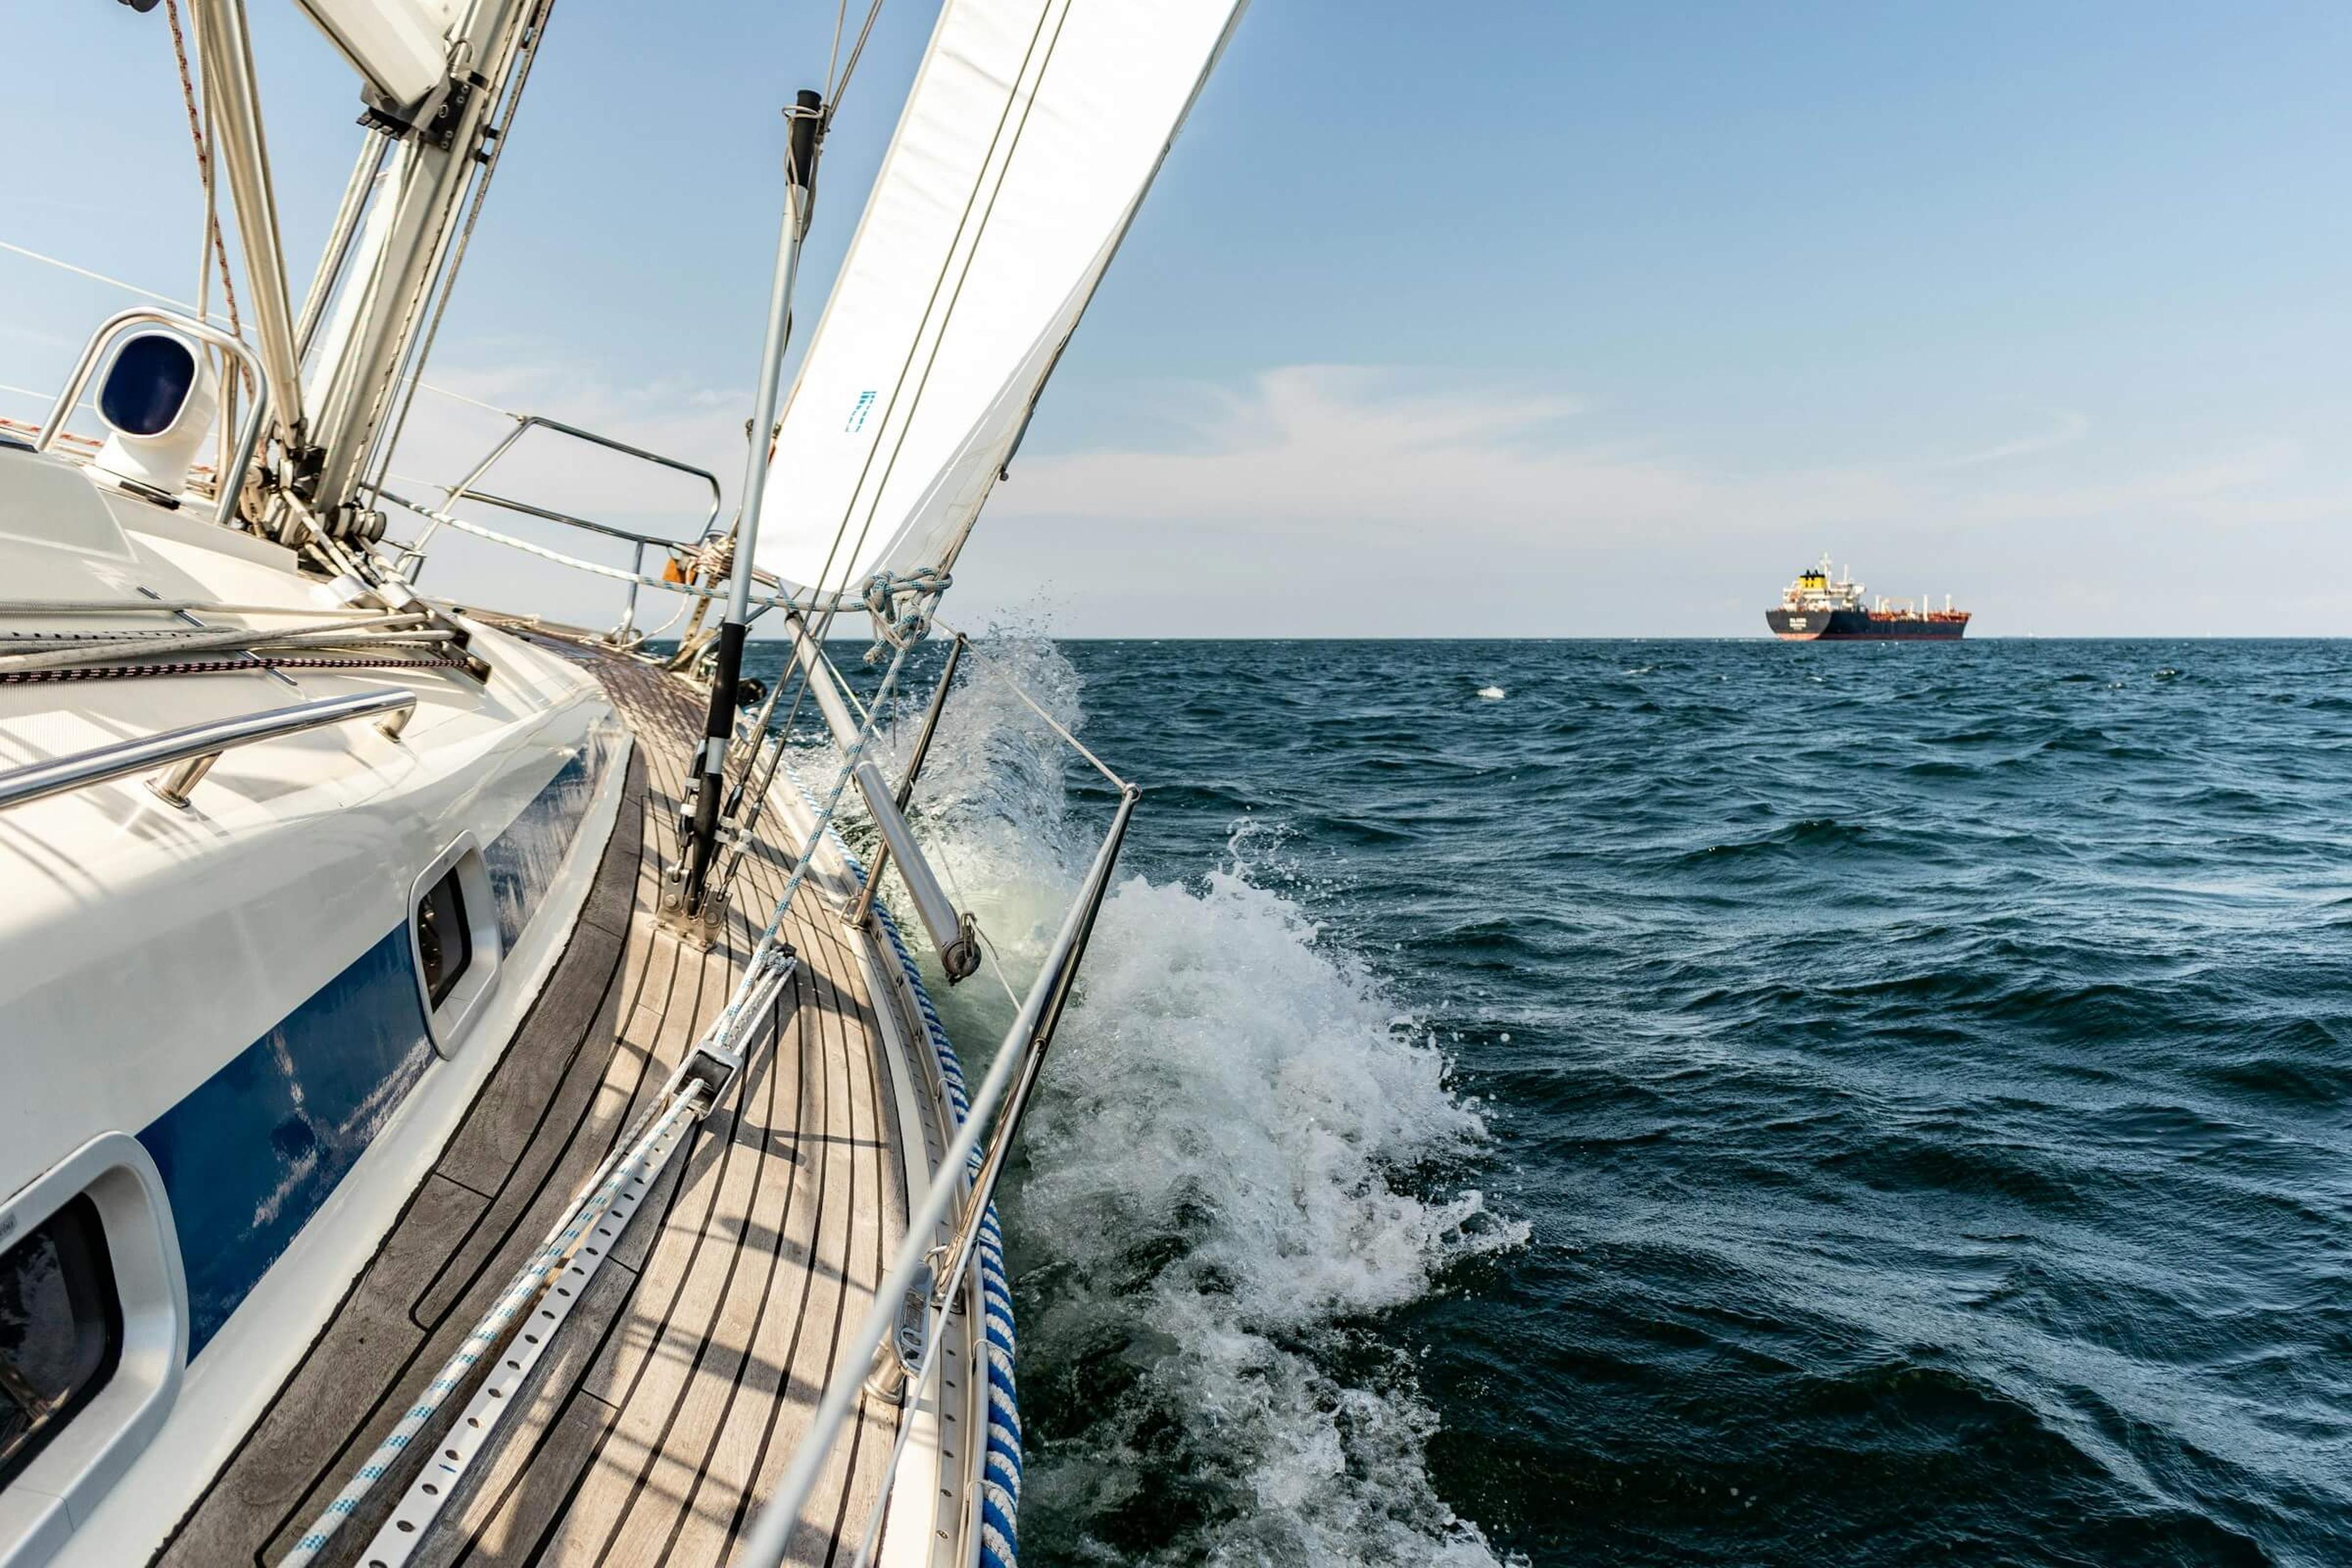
(1861, 626)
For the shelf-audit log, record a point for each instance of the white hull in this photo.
(156, 963)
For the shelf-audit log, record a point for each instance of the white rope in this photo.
(618, 573)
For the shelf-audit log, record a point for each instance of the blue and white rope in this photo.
(520, 1294)
(1000, 1483)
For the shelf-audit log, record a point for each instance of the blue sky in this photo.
(1510, 320)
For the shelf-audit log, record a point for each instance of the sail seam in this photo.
(948, 265)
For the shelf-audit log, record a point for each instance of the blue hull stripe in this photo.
(250, 1155)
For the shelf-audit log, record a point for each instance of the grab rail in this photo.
(196, 748)
(1022, 1052)
(231, 483)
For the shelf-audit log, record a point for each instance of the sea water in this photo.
(1714, 1102)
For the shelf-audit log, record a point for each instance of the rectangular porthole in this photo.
(452, 933)
(445, 947)
(60, 1329)
(93, 1337)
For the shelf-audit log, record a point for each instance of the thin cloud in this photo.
(1338, 500)
(2066, 428)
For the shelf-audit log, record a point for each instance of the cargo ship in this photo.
(1817, 607)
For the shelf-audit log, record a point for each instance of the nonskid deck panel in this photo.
(678, 1388)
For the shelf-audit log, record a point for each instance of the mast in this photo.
(444, 144)
(226, 50)
(800, 172)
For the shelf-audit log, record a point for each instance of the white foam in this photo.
(1211, 1179)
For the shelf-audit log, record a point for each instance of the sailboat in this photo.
(467, 1101)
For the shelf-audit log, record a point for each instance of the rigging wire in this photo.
(197, 120)
(832, 55)
(987, 947)
(63, 266)
(1051, 723)
(856, 51)
(182, 305)
(535, 32)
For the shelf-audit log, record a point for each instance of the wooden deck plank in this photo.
(827, 1307)
(512, 1495)
(867, 1442)
(680, 1386)
(749, 1218)
(482, 1258)
(587, 1116)
(739, 1427)
(675, 1371)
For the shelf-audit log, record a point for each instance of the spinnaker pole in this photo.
(799, 170)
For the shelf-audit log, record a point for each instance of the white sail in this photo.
(1033, 133)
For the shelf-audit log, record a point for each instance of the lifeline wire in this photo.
(1053, 723)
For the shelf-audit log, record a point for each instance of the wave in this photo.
(1244, 1152)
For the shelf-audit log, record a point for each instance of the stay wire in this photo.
(948, 271)
(857, 52)
(1051, 722)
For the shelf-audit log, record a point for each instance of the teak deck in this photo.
(679, 1388)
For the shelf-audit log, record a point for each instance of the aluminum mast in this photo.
(799, 174)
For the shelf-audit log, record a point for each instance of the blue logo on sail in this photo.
(857, 415)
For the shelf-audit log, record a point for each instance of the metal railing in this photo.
(230, 483)
(952, 932)
(934, 1276)
(190, 753)
(624, 634)
(905, 795)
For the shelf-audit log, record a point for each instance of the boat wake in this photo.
(1239, 1161)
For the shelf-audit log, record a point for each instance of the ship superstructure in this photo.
(1821, 607)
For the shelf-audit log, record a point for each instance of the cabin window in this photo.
(453, 939)
(60, 1329)
(445, 942)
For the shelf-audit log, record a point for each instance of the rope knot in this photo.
(917, 590)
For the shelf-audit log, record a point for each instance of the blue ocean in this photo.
(1697, 1102)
